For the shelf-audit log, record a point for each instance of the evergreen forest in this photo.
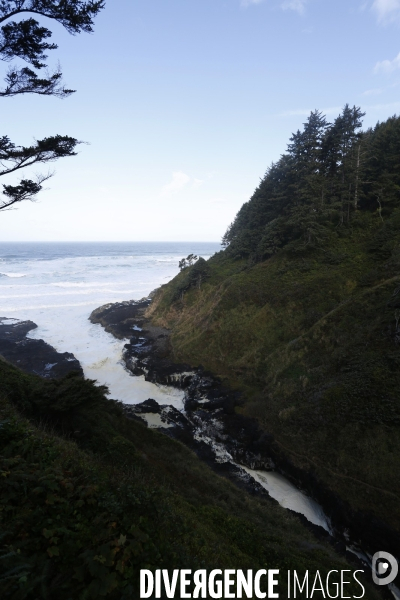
(300, 313)
(330, 173)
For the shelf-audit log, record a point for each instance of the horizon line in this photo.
(111, 241)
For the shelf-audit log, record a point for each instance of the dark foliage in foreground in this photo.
(89, 497)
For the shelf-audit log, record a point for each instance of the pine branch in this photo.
(26, 81)
(27, 40)
(74, 15)
(46, 150)
(25, 190)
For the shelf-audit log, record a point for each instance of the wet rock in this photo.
(148, 406)
(147, 349)
(201, 433)
(33, 356)
(122, 319)
(168, 414)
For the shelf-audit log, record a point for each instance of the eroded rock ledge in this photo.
(33, 356)
(207, 402)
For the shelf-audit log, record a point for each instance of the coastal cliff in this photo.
(300, 314)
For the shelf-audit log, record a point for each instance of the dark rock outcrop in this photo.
(148, 349)
(33, 356)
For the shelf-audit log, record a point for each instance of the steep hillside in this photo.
(88, 497)
(301, 311)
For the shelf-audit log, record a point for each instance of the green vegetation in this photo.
(89, 497)
(301, 311)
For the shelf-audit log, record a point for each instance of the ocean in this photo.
(58, 284)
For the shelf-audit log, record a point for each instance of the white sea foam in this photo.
(45, 294)
(35, 307)
(9, 321)
(87, 276)
(82, 284)
(154, 420)
(13, 275)
(289, 496)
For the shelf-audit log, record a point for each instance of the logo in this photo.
(384, 568)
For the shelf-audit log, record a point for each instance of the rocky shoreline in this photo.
(210, 412)
(33, 356)
(210, 424)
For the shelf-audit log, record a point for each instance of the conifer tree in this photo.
(329, 173)
(381, 159)
(26, 39)
(306, 152)
(343, 151)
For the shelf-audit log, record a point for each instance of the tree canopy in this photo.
(330, 173)
(187, 262)
(27, 40)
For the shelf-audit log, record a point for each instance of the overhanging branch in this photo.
(26, 81)
(13, 158)
(25, 190)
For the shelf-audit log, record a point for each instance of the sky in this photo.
(183, 105)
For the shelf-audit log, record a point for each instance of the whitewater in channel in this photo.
(290, 497)
(57, 286)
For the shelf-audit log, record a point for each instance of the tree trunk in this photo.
(357, 176)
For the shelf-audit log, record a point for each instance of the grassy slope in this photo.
(310, 338)
(88, 498)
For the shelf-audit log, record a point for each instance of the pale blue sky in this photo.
(185, 103)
